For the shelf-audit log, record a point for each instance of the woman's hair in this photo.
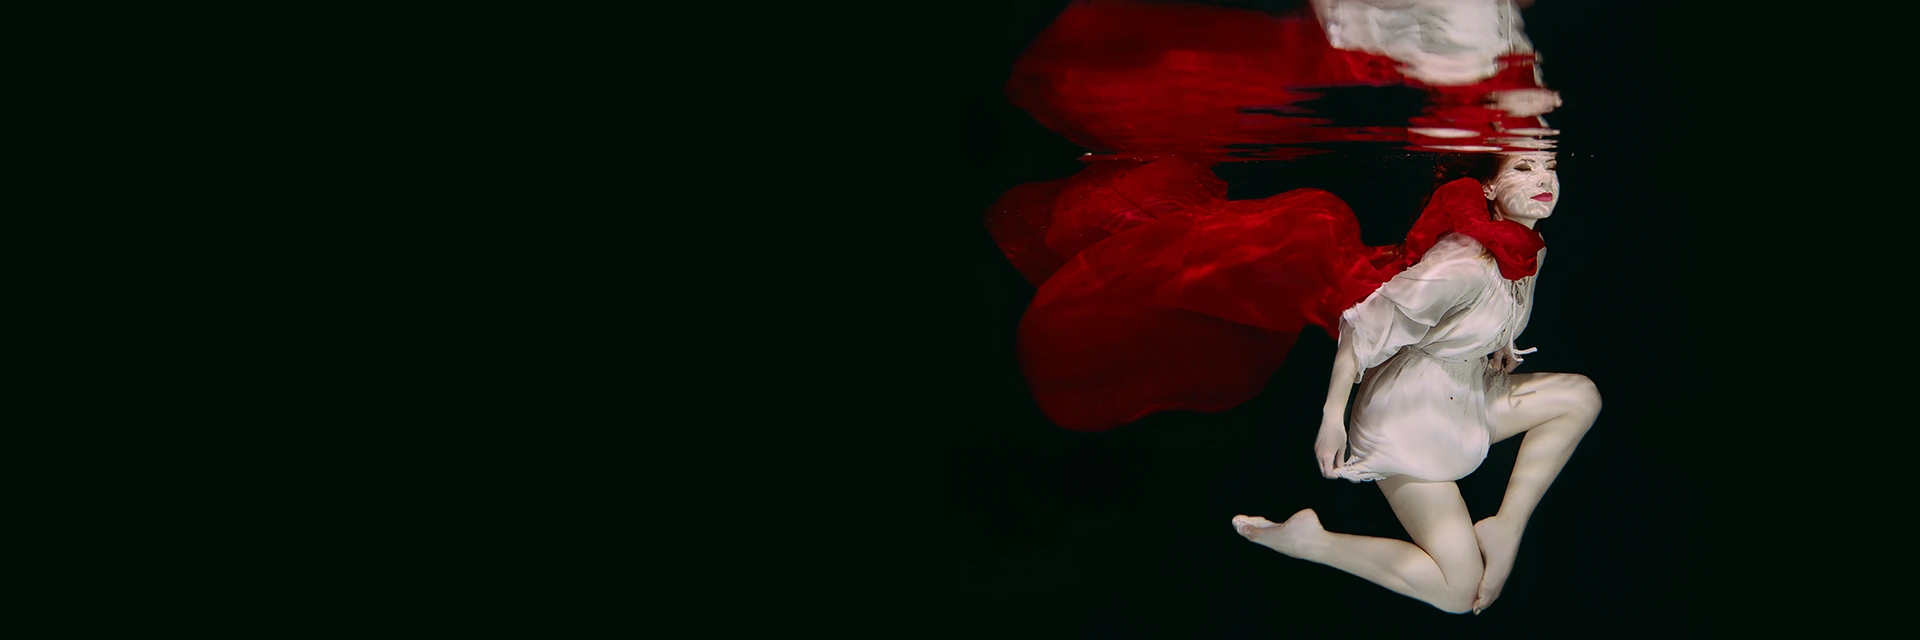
(1479, 166)
(1454, 166)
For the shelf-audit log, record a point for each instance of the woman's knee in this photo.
(1454, 591)
(1459, 596)
(1462, 585)
(1582, 394)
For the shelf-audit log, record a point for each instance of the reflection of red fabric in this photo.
(1128, 76)
(1156, 293)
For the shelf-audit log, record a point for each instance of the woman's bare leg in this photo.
(1554, 410)
(1442, 566)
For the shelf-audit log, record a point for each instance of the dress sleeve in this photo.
(1526, 308)
(1404, 309)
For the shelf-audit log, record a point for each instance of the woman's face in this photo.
(1526, 188)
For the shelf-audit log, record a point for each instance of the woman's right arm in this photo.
(1399, 313)
(1332, 441)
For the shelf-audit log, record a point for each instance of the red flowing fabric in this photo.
(1155, 292)
(1158, 294)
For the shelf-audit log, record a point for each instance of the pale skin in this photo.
(1453, 563)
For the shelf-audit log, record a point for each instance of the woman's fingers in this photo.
(1503, 362)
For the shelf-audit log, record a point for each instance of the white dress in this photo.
(1422, 342)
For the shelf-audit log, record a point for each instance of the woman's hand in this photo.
(1330, 445)
(1503, 361)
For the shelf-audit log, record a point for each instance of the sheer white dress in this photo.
(1421, 343)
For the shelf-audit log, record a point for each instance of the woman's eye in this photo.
(1522, 168)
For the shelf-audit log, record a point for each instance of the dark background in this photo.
(992, 516)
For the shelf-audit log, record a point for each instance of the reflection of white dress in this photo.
(1422, 342)
(1441, 42)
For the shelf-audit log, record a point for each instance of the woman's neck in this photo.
(1524, 222)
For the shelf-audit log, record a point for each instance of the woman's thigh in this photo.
(1534, 398)
(1436, 517)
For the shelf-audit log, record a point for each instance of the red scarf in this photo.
(1461, 207)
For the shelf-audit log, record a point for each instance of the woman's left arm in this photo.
(1508, 357)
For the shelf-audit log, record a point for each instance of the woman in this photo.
(1436, 345)
(1155, 293)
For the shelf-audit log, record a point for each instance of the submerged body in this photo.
(1432, 350)
(1155, 293)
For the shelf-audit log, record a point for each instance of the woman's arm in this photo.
(1332, 441)
(1398, 314)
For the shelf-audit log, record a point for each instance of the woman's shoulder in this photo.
(1456, 252)
(1456, 264)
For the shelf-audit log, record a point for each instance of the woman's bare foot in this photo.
(1290, 537)
(1499, 544)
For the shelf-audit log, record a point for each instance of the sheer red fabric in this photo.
(1155, 293)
